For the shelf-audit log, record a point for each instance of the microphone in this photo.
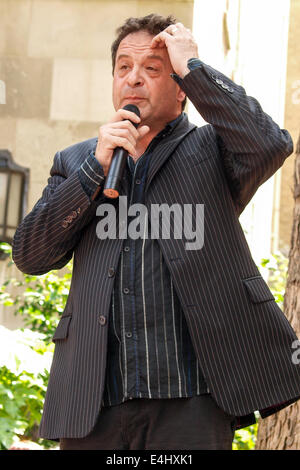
(116, 169)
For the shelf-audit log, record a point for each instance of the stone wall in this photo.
(56, 66)
(55, 62)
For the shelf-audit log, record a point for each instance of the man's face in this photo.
(142, 77)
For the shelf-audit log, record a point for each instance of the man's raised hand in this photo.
(180, 44)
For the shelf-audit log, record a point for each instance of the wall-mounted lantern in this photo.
(13, 195)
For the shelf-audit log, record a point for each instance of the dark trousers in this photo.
(159, 424)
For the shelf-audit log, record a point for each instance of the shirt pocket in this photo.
(257, 289)
(62, 328)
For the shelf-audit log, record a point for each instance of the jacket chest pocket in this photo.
(257, 289)
(193, 160)
(62, 329)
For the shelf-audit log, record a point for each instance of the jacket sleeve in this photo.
(47, 236)
(251, 144)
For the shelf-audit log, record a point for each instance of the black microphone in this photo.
(115, 172)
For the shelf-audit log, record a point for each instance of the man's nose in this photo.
(134, 77)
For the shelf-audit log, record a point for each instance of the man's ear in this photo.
(180, 94)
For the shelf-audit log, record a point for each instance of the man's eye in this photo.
(152, 69)
(123, 67)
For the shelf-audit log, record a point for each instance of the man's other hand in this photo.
(181, 46)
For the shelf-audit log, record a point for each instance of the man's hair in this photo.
(153, 24)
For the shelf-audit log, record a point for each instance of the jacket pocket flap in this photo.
(62, 329)
(258, 289)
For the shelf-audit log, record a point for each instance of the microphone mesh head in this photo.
(133, 108)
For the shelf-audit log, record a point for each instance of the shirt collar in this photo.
(168, 129)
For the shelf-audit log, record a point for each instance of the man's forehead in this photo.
(140, 43)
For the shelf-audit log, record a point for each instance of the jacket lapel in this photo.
(163, 150)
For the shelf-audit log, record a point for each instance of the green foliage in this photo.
(277, 266)
(25, 362)
(41, 301)
(22, 391)
(245, 438)
(21, 401)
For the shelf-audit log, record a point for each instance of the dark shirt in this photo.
(150, 353)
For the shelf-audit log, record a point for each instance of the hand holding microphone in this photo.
(116, 140)
(116, 169)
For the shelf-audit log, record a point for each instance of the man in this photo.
(161, 345)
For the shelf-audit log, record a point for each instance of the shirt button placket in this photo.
(129, 331)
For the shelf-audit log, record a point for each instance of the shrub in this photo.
(42, 298)
(25, 363)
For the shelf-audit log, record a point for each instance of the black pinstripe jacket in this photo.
(242, 339)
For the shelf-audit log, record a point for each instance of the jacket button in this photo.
(111, 272)
(102, 320)
(74, 214)
(69, 219)
(65, 224)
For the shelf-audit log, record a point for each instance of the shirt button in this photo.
(126, 290)
(137, 181)
(128, 334)
(111, 272)
(102, 320)
(127, 248)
